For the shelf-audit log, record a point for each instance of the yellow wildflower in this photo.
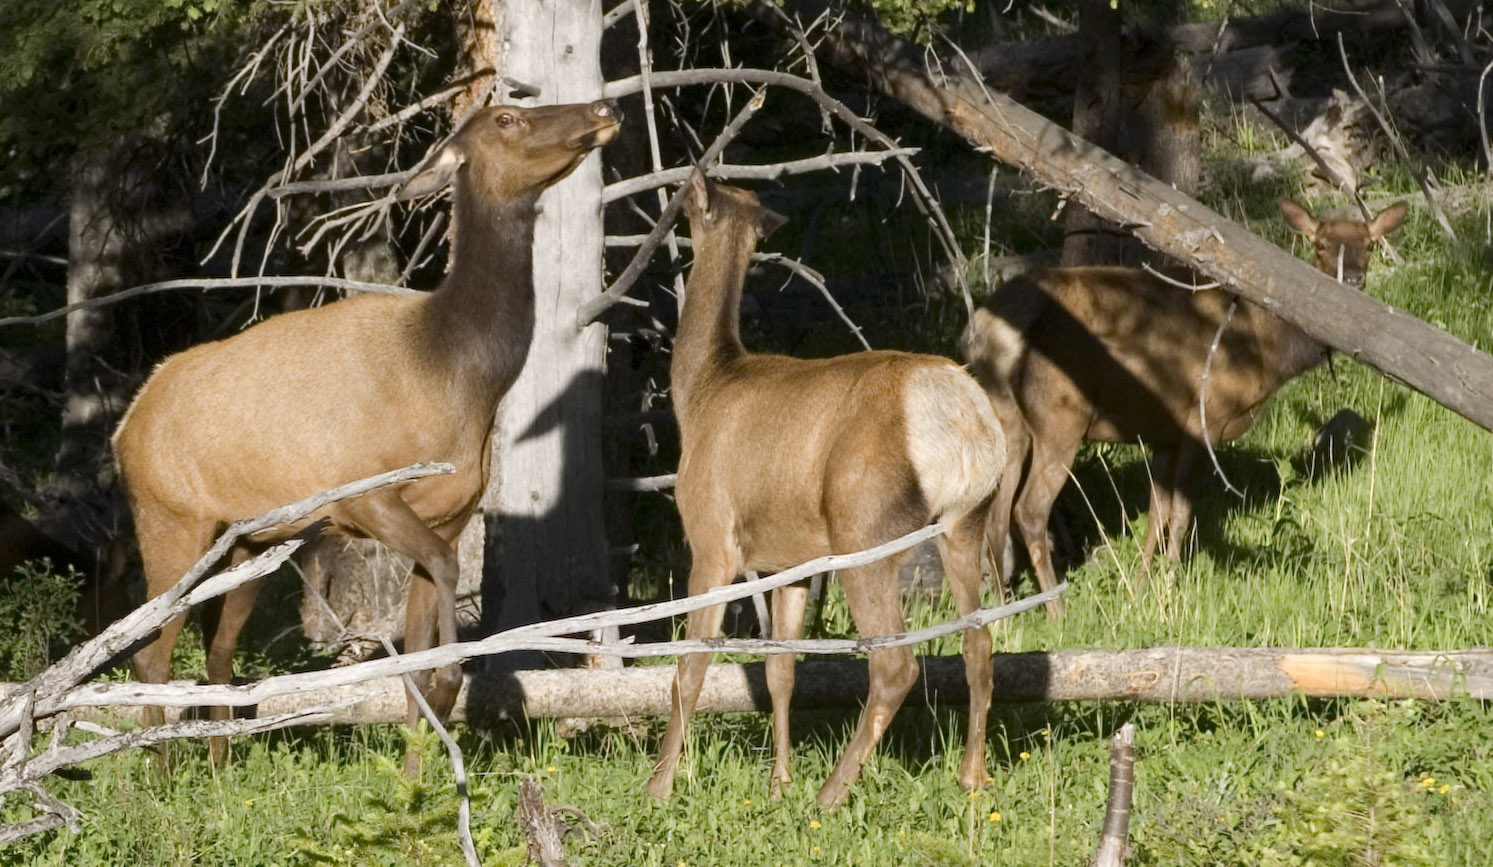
(995, 816)
(1024, 755)
(1444, 788)
(1319, 733)
(814, 824)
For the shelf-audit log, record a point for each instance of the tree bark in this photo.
(1100, 118)
(546, 551)
(1395, 343)
(1050, 68)
(1165, 674)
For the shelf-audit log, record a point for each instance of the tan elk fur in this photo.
(317, 398)
(1118, 355)
(785, 459)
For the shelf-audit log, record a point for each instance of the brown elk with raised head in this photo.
(317, 398)
(786, 459)
(1117, 355)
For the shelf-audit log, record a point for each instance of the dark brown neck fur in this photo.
(478, 325)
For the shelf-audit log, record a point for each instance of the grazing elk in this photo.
(787, 459)
(317, 398)
(1116, 355)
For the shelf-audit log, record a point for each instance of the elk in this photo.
(785, 459)
(1116, 355)
(309, 400)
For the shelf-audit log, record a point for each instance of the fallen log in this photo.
(1165, 674)
(1407, 349)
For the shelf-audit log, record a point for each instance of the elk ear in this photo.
(1388, 220)
(434, 174)
(699, 193)
(1298, 218)
(768, 221)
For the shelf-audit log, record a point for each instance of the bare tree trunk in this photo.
(1141, 107)
(124, 218)
(96, 247)
(546, 546)
(1100, 117)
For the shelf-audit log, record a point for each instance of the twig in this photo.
(681, 78)
(617, 13)
(1328, 173)
(1112, 843)
(27, 777)
(1203, 399)
(768, 171)
(458, 764)
(815, 279)
(655, 155)
(541, 637)
(336, 185)
(1172, 281)
(587, 313)
(246, 215)
(208, 283)
(1422, 175)
(647, 483)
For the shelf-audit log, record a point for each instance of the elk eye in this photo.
(505, 120)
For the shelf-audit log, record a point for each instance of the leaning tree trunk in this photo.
(1416, 353)
(546, 551)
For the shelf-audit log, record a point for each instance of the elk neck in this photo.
(1286, 350)
(479, 323)
(709, 335)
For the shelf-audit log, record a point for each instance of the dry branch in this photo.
(209, 283)
(41, 695)
(616, 292)
(1395, 343)
(540, 825)
(768, 172)
(1112, 847)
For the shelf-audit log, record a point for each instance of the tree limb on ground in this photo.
(1164, 675)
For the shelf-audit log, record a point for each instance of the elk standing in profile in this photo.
(310, 400)
(785, 459)
(1117, 355)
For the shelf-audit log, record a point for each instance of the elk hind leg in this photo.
(960, 551)
(1051, 460)
(871, 594)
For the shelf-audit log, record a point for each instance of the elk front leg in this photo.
(689, 676)
(788, 607)
(430, 608)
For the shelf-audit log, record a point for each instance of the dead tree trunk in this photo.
(1100, 118)
(546, 550)
(1162, 674)
(1364, 328)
